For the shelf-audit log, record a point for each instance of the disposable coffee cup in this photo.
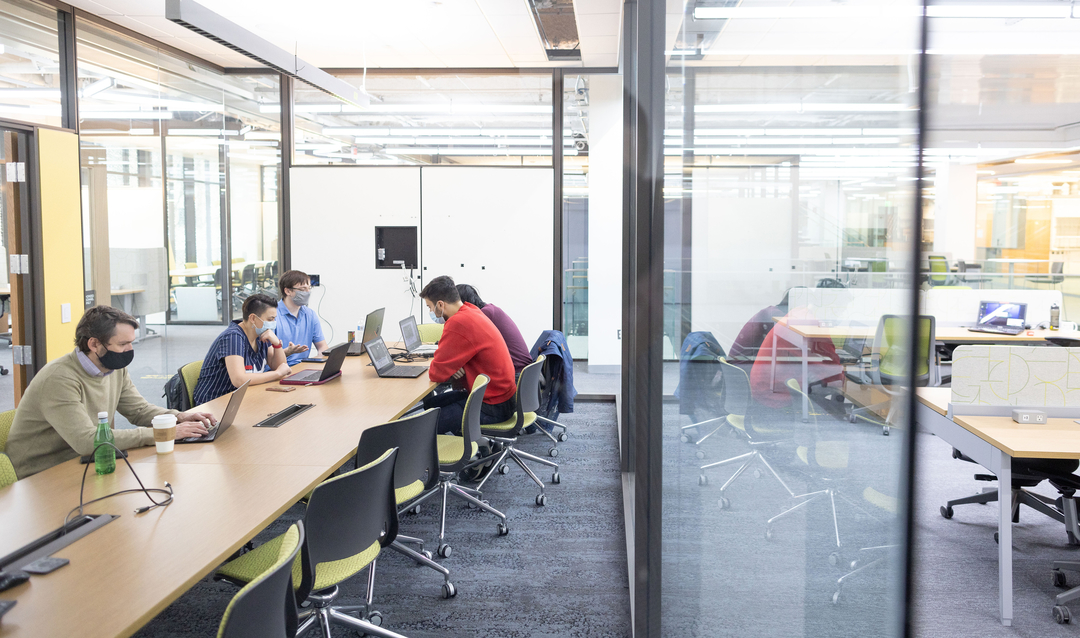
(164, 433)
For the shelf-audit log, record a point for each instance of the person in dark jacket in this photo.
(515, 343)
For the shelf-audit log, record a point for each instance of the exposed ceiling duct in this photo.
(557, 26)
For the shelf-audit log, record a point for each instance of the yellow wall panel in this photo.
(61, 236)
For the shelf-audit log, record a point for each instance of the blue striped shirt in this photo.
(214, 379)
(303, 330)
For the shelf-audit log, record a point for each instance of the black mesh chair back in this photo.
(418, 450)
(347, 514)
(265, 607)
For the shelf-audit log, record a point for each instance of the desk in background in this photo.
(125, 573)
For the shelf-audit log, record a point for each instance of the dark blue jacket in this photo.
(697, 368)
(552, 344)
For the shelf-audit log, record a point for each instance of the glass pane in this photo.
(788, 203)
(29, 53)
(429, 119)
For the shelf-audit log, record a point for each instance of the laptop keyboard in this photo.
(998, 330)
(398, 372)
(309, 375)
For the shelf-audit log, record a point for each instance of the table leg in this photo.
(805, 379)
(1005, 572)
(772, 370)
(1012, 269)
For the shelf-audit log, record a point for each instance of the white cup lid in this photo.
(164, 420)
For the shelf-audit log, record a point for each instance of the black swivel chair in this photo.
(266, 607)
(1054, 278)
(970, 273)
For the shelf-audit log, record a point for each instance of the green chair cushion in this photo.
(409, 492)
(284, 544)
(451, 447)
(249, 566)
(7, 471)
(6, 419)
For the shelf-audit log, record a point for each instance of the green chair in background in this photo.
(265, 607)
(189, 374)
(430, 332)
(7, 470)
(889, 360)
(939, 270)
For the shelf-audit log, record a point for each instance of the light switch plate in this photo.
(65, 313)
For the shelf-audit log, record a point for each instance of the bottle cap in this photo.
(102, 415)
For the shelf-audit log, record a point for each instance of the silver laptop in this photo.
(384, 363)
(410, 334)
(226, 420)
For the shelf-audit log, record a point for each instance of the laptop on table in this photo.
(330, 370)
(372, 328)
(1001, 317)
(410, 334)
(226, 420)
(384, 363)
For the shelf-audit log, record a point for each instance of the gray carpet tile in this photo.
(560, 572)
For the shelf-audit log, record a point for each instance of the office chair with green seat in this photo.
(266, 606)
(455, 454)
(416, 471)
(189, 374)
(889, 359)
(738, 403)
(349, 519)
(939, 270)
(507, 432)
(430, 332)
(7, 469)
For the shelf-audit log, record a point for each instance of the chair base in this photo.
(857, 569)
(519, 457)
(447, 487)
(1062, 510)
(747, 459)
(324, 613)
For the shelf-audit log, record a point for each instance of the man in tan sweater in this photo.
(57, 417)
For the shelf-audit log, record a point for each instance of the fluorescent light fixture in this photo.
(203, 132)
(41, 94)
(316, 108)
(466, 151)
(141, 131)
(1033, 160)
(92, 89)
(269, 108)
(1016, 10)
(452, 141)
(984, 172)
(804, 107)
(263, 135)
(683, 52)
(125, 115)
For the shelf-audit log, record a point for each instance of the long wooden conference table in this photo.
(126, 572)
(993, 441)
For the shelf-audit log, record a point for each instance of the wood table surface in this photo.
(1055, 439)
(125, 573)
(937, 399)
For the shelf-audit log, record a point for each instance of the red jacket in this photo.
(469, 340)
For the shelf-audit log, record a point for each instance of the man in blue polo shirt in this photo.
(297, 324)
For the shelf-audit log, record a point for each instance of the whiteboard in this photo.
(492, 228)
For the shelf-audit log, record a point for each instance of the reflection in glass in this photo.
(29, 53)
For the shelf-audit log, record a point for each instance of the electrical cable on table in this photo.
(142, 488)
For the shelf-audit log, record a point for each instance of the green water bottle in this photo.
(105, 456)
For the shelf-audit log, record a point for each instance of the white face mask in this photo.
(436, 318)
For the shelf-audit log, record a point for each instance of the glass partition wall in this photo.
(788, 182)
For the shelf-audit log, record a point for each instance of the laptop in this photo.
(1001, 317)
(410, 334)
(372, 329)
(330, 370)
(384, 363)
(226, 420)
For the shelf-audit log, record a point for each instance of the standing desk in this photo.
(128, 571)
(993, 441)
(801, 334)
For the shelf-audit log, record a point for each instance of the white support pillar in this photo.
(954, 214)
(605, 221)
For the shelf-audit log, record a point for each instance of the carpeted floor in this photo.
(560, 572)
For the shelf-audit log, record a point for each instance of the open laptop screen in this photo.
(410, 334)
(999, 313)
(380, 356)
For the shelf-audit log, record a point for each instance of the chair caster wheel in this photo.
(375, 618)
(427, 554)
(541, 500)
(1061, 614)
(724, 503)
(448, 590)
(768, 533)
(469, 505)
(700, 454)
(834, 559)
(946, 511)
(885, 431)
(564, 436)
(703, 480)
(503, 529)
(444, 550)
(1059, 579)
(556, 479)
(415, 510)
(685, 438)
(836, 597)
(504, 469)
(996, 539)
(553, 452)
(757, 474)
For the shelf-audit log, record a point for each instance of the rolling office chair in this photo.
(701, 386)
(939, 270)
(189, 375)
(1054, 278)
(266, 606)
(888, 365)
(965, 275)
(7, 470)
(455, 454)
(507, 433)
(416, 471)
(738, 402)
(429, 332)
(349, 519)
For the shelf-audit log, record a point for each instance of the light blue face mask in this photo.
(436, 318)
(267, 325)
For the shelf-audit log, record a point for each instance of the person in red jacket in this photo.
(470, 345)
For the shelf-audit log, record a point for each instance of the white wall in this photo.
(954, 211)
(605, 219)
(334, 213)
(493, 228)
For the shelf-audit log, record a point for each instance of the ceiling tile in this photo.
(587, 7)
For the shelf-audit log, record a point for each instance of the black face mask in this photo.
(116, 360)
